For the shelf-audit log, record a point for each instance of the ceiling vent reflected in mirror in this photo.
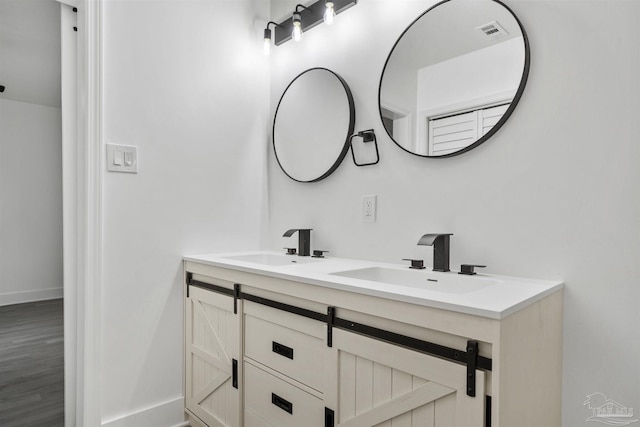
(493, 30)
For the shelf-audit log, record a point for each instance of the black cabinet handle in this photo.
(282, 350)
(281, 403)
(329, 418)
(234, 373)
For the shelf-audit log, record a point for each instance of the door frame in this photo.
(82, 217)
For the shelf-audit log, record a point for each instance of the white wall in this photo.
(554, 194)
(30, 202)
(466, 81)
(185, 82)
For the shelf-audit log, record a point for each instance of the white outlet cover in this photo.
(369, 208)
(122, 158)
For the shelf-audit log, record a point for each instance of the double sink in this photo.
(485, 295)
(399, 276)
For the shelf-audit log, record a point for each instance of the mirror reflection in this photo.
(312, 125)
(453, 77)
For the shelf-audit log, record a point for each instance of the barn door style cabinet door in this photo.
(212, 352)
(381, 384)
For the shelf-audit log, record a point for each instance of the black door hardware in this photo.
(234, 373)
(472, 363)
(329, 418)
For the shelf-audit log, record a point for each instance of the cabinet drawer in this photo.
(279, 402)
(292, 352)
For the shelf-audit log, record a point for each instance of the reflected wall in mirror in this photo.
(312, 125)
(453, 77)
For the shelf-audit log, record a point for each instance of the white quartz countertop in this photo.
(490, 296)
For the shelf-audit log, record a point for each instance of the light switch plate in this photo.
(122, 158)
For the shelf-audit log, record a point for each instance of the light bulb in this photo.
(329, 13)
(296, 34)
(266, 47)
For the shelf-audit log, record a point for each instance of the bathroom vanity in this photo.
(273, 341)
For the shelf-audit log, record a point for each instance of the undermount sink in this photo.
(451, 283)
(272, 259)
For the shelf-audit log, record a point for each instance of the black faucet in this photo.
(440, 243)
(304, 240)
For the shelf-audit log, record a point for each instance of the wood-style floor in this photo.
(32, 365)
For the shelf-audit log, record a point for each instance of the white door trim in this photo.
(83, 256)
(69, 72)
(93, 205)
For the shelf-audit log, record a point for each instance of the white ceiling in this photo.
(30, 51)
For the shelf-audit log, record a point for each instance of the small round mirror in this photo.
(312, 125)
(453, 77)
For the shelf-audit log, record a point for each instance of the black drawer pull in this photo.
(282, 350)
(285, 405)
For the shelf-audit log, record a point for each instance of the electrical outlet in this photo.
(369, 208)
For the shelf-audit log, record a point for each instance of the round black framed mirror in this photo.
(312, 125)
(454, 77)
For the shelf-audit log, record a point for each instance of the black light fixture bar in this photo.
(310, 16)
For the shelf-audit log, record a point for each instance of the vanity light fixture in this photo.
(306, 17)
(266, 48)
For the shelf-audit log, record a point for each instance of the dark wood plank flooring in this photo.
(32, 365)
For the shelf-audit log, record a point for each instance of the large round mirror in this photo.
(453, 77)
(312, 125)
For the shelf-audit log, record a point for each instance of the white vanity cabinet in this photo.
(310, 355)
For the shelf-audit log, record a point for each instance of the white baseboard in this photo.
(166, 414)
(30, 296)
